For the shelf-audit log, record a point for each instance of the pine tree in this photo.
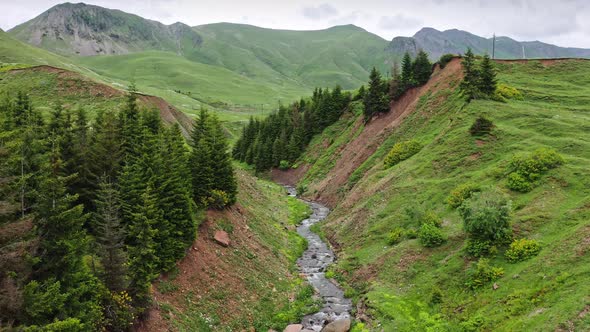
(130, 126)
(407, 76)
(143, 260)
(487, 81)
(110, 236)
(83, 184)
(422, 68)
(223, 172)
(106, 152)
(470, 83)
(200, 165)
(175, 199)
(395, 87)
(376, 100)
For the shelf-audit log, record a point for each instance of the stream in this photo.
(313, 264)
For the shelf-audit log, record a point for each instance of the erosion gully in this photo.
(313, 263)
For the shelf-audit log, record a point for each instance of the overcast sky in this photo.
(561, 22)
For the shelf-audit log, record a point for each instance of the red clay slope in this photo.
(353, 154)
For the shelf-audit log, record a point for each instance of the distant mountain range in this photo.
(454, 41)
(81, 29)
(235, 63)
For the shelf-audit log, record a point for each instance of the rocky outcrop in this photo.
(341, 325)
(81, 29)
(293, 328)
(222, 238)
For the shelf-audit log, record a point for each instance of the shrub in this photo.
(522, 249)
(402, 151)
(461, 193)
(478, 248)
(486, 216)
(411, 233)
(395, 236)
(431, 236)
(483, 273)
(445, 59)
(430, 217)
(528, 168)
(518, 182)
(507, 92)
(284, 165)
(218, 199)
(436, 297)
(481, 126)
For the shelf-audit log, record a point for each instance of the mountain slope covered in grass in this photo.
(397, 282)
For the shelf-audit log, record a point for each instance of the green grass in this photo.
(547, 292)
(298, 210)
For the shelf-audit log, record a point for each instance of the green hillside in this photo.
(406, 286)
(340, 55)
(205, 83)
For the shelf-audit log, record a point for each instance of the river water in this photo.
(312, 264)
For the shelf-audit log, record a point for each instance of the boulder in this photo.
(341, 325)
(222, 238)
(293, 328)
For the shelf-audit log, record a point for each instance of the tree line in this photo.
(279, 139)
(479, 80)
(112, 202)
(414, 72)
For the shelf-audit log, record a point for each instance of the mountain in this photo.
(454, 41)
(83, 29)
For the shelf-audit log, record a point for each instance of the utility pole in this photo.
(494, 46)
(523, 54)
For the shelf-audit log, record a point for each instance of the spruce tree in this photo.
(470, 83)
(487, 81)
(175, 199)
(110, 236)
(376, 100)
(422, 68)
(143, 259)
(200, 160)
(223, 172)
(407, 76)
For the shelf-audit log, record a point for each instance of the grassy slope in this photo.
(250, 284)
(340, 55)
(168, 71)
(548, 292)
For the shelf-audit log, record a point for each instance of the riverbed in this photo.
(313, 264)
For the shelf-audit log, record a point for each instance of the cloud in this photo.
(320, 12)
(398, 21)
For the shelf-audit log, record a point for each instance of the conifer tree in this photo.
(175, 199)
(487, 81)
(110, 236)
(407, 76)
(422, 68)
(130, 125)
(223, 172)
(143, 259)
(200, 165)
(106, 152)
(470, 83)
(376, 100)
